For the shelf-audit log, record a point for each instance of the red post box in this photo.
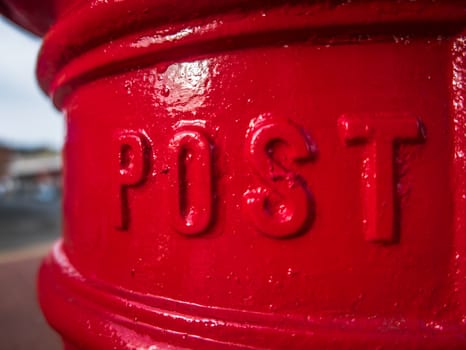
(257, 174)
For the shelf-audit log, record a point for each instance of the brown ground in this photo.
(22, 325)
(27, 229)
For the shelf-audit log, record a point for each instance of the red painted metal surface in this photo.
(249, 174)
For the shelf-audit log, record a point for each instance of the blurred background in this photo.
(31, 138)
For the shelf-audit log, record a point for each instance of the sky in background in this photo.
(27, 117)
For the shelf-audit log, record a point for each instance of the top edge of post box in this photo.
(71, 29)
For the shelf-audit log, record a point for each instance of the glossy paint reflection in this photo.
(184, 87)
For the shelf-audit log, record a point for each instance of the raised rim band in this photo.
(131, 318)
(102, 38)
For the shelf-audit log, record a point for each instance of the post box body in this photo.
(258, 175)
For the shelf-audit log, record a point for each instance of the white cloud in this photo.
(27, 116)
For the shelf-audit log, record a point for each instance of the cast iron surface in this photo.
(247, 174)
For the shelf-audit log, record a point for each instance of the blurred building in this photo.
(5, 155)
(34, 172)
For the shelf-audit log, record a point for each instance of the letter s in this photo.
(283, 206)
